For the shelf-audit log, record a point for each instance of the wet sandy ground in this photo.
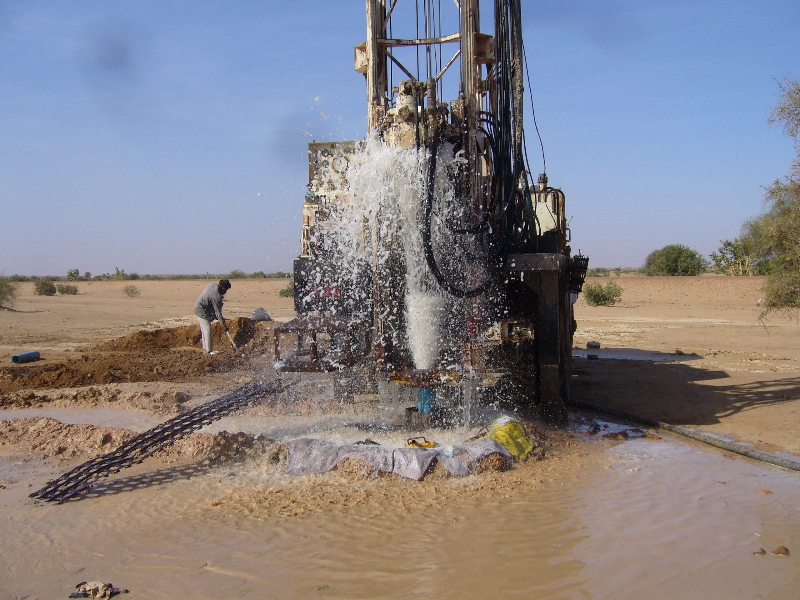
(646, 518)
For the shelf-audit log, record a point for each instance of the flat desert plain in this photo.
(590, 514)
(685, 350)
(702, 357)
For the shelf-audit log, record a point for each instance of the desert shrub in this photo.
(258, 275)
(739, 256)
(288, 291)
(67, 289)
(598, 272)
(131, 291)
(597, 294)
(16, 277)
(674, 259)
(236, 274)
(8, 292)
(44, 287)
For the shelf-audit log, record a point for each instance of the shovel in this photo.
(228, 333)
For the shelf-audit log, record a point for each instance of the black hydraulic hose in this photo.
(700, 437)
(428, 246)
(509, 210)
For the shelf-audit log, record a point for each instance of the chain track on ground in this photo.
(145, 444)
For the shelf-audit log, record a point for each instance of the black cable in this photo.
(533, 109)
(428, 246)
(509, 223)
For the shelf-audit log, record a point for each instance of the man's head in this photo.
(223, 286)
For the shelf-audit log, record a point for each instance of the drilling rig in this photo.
(494, 244)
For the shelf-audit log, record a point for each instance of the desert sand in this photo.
(216, 516)
(705, 359)
(685, 350)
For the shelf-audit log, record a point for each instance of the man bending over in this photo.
(208, 308)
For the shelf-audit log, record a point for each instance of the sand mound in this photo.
(171, 354)
(493, 462)
(220, 447)
(44, 438)
(97, 369)
(242, 331)
(165, 404)
(358, 469)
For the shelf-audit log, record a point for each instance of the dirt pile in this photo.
(165, 404)
(45, 438)
(171, 354)
(218, 448)
(242, 330)
(104, 368)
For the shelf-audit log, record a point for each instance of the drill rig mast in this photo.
(515, 289)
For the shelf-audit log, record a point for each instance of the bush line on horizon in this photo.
(121, 275)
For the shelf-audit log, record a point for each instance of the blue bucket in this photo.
(425, 399)
(25, 357)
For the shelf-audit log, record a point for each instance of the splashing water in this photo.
(380, 224)
(423, 316)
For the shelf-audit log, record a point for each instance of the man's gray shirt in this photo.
(209, 304)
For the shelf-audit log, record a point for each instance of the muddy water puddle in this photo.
(641, 519)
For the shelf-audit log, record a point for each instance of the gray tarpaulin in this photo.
(463, 458)
(306, 456)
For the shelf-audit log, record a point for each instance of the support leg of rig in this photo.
(550, 336)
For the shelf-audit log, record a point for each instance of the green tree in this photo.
(73, 275)
(776, 233)
(674, 259)
(787, 115)
(736, 257)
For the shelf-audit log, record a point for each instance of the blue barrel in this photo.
(425, 398)
(25, 357)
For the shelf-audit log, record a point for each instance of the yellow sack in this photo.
(513, 437)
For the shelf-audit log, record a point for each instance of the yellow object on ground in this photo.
(420, 442)
(513, 437)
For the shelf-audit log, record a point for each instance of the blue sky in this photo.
(169, 137)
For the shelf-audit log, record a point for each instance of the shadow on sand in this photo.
(677, 393)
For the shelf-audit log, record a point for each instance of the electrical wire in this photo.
(533, 108)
